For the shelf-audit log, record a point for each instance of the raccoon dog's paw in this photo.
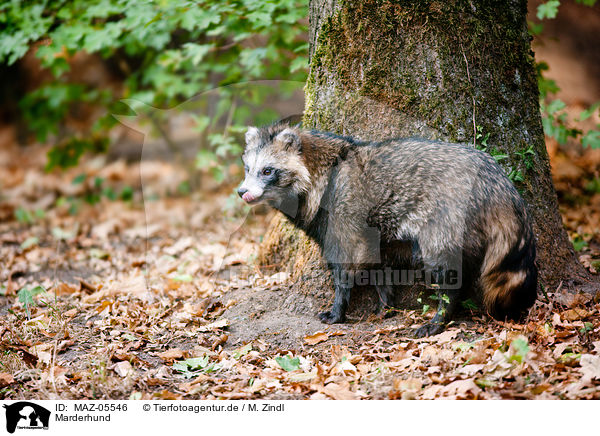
(330, 317)
(429, 329)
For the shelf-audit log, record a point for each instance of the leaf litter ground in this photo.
(161, 300)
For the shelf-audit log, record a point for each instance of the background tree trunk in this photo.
(454, 70)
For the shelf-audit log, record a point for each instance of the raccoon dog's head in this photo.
(273, 165)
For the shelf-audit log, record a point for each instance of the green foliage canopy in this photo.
(166, 50)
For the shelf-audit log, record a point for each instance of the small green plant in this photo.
(587, 327)
(26, 295)
(469, 304)
(93, 192)
(579, 243)
(593, 186)
(481, 139)
(25, 216)
(514, 175)
(526, 156)
(443, 297)
(425, 306)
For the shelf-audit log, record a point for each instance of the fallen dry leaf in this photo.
(172, 354)
(6, 379)
(338, 392)
(575, 314)
(590, 367)
(214, 325)
(315, 338)
(459, 389)
(65, 289)
(123, 368)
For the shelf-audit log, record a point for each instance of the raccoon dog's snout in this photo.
(246, 196)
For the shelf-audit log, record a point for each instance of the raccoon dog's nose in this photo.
(242, 191)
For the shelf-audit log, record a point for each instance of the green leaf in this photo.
(196, 52)
(126, 193)
(589, 111)
(30, 242)
(201, 122)
(469, 304)
(242, 351)
(593, 185)
(591, 139)
(288, 363)
(520, 349)
(168, 51)
(299, 63)
(579, 244)
(183, 278)
(61, 234)
(190, 367)
(79, 179)
(554, 106)
(205, 159)
(535, 28)
(548, 9)
(485, 383)
(196, 362)
(23, 216)
(109, 193)
(99, 254)
(259, 19)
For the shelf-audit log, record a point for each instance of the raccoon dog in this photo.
(365, 202)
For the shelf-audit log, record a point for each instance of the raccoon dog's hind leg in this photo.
(396, 256)
(385, 292)
(450, 283)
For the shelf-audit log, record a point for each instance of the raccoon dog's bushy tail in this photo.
(509, 275)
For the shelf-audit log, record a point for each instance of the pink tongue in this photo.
(247, 197)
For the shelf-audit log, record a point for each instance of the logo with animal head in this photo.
(26, 415)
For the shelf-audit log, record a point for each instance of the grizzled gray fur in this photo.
(368, 204)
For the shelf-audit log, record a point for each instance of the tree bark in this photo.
(460, 71)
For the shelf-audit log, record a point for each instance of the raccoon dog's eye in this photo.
(267, 171)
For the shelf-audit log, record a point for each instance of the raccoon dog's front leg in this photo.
(342, 280)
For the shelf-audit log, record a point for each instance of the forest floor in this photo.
(105, 296)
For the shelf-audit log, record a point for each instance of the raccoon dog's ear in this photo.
(251, 135)
(290, 139)
(292, 121)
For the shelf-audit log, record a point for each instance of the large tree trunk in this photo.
(450, 70)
